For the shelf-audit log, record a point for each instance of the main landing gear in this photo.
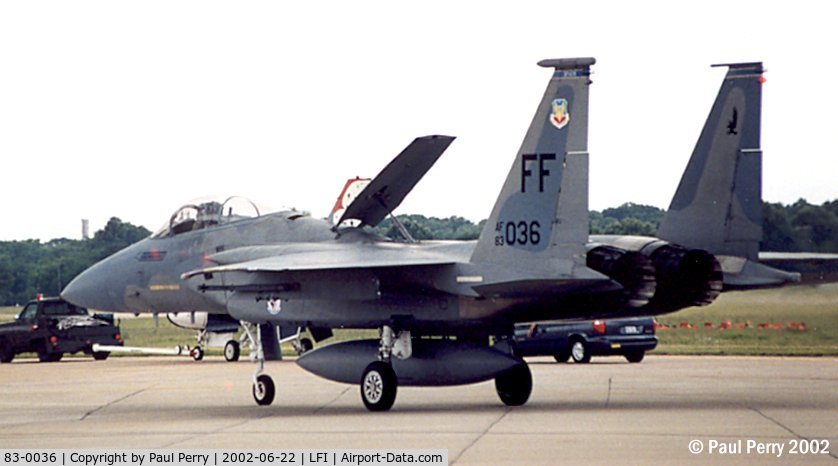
(515, 385)
(232, 346)
(379, 383)
(378, 386)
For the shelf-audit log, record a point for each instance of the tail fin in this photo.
(718, 204)
(350, 191)
(540, 219)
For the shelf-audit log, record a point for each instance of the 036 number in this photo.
(521, 233)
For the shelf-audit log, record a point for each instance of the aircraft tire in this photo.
(264, 390)
(197, 353)
(635, 356)
(515, 386)
(306, 345)
(100, 355)
(232, 351)
(579, 351)
(378, 386)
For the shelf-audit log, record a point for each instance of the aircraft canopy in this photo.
(206, 212)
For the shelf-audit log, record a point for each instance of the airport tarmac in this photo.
(608, 411)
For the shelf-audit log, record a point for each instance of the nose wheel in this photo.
(264, 390)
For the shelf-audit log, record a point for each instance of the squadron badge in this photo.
(274, 306)
(560, 116)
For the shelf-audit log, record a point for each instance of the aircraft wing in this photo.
(391, 186)
(321, 261)
(294, 258)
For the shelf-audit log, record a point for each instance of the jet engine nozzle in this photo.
(685, 277)
(632, 270)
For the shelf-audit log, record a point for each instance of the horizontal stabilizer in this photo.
(387, 190)
(743, 273)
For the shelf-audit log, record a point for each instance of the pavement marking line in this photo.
(258, 417)
(333, 400)
(831, 452)
(482, 434)
(110, 403)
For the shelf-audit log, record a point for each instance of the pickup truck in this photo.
(630, 338)
(52, 327)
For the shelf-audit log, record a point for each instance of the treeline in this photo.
(421, 227)
(800, 227)
(30, 267)
(786, 228)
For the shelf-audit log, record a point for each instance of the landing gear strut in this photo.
(264, 388)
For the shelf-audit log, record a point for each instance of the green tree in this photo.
(778, 234)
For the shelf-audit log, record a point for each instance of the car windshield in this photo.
(62, 308)
(206, 212)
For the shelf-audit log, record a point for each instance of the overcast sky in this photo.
(130, 109)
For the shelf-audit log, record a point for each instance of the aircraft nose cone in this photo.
(96, 288)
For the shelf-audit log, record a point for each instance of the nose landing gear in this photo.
(264, 389)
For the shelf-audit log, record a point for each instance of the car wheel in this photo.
(264, 390)
(579, 351)
(101, 355)
(232, 350)
(6, 353)
(635, 356)
(562, 356)
(514, 386)
(45, 356)
(378, 386)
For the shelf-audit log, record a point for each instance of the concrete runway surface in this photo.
(608, 411)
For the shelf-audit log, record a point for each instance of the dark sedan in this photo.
(630, 338)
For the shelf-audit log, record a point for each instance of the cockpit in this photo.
(206, 212)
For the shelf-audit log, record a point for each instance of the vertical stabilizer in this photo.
(540, 219)
(718, 204)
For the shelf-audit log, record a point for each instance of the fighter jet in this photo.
(709, 237)
(445, 310)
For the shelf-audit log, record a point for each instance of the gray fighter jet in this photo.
(445, 310)
(709, 238)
